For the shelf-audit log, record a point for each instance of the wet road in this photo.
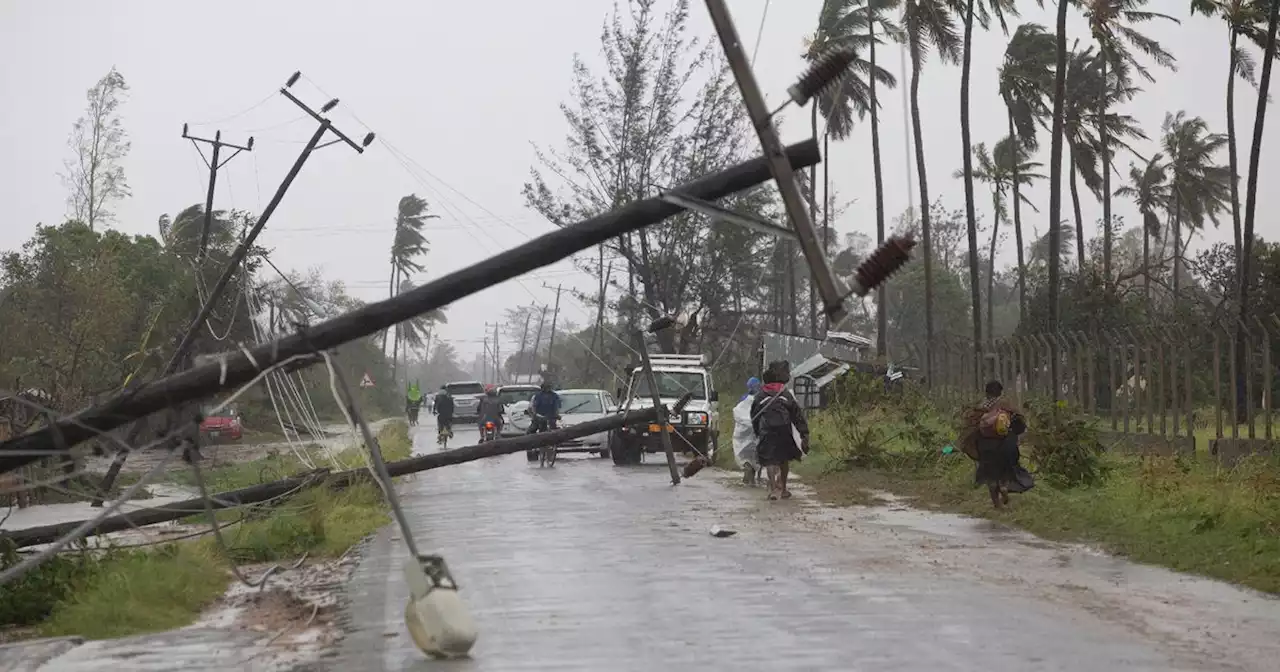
(588, 566)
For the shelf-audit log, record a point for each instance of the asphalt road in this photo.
(588, 566)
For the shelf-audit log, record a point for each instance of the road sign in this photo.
(367, 381)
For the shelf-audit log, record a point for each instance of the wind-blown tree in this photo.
(842, 24)
(408, 244)
(1055, 182)
(639, 127)
(983, 11)
(1026, 77)
(1247, 18)
(1149, 189)
(927, 26)
(1110, 24)
(1041, 245)
(414, 333)
(1085, 128)
(98, 144)
(1007, 165)
(1199, 187)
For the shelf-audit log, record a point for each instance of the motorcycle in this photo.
(489, 432)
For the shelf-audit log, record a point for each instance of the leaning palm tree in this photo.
(413, 331)
(408, 243)
(1149, 188)
(1110, 24)
(1009, 164)
(842, 24)
(1040, 247)
(1055, 182)
(927, 25)
(1086, 129)
(1248, 18)
(1200, 188)
(1026, 78)
(984, 11)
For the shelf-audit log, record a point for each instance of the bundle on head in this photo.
(695, 465)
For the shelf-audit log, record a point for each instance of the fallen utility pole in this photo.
(214, 165)
(183, 348)
(44, 534)
(299, 350)
(663, 420)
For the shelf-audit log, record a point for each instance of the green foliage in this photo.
(1065, 448)
(32, 597)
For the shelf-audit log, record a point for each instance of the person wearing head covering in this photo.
(991, 439)
(753, 388)
(413, 403)
(774, 414)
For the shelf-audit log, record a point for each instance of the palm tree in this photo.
(1199, 188)
(1149, 188)
(1007, 165)
(926, 25)
(843, 25)
(407, 244)
(1026, 77)
(1085, 129)
(1117, 41)
(1248, 18)
(983, 11)
(414, 332)
(1055, 183)
(1041, 245)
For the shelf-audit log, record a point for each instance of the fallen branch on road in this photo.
(44, 534)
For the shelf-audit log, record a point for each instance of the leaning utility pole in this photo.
(213, 165)
(484, 358)
(497, 359)
(537, 340)
(180, 354)
(551, 345)
(522, 356)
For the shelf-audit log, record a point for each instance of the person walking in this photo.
(753, 388)
(776, 418)
(992, 431)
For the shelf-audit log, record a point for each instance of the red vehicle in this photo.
(222, 425)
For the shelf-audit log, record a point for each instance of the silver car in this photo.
(466, 399)
(576, 406)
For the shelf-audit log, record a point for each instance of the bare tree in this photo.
(98, 144)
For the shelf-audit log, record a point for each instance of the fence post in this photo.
(1233, 344)
(1248, 377)
(1109, 339)
(1266, 377)
(1217, 381)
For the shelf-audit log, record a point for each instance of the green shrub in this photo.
(1065, 447)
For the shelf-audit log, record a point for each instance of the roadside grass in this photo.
(120, 592)
(1186, 513)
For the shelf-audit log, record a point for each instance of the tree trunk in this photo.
(1177, 247)
(1075, 205)
(1251, 202)
(813, 217)
(395, 342)
(826, 218)
(1146, 266)
(1232, 157)
(971, 217)
(882, 297)
(925, 232)
(391, 293)
(1017, 223)
(1055, 190)
(991, 268)
(1104, 142)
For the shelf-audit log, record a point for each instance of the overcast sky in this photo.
(463, 89)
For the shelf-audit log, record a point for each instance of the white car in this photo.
(576, 406)
(515, 398)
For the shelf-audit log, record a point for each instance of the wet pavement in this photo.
(588, 566)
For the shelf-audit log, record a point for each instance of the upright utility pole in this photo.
(213, 165)
(180, 356)
(551, 345)
(497, 359)
(484, 358)
(523, 355)
(537, 340)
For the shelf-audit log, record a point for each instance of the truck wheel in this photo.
(623, 450)
(531, 455)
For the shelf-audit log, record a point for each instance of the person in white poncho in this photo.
(744, 437)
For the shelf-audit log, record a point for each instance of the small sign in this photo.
(367, 381)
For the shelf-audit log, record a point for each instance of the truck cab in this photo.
(695, 430)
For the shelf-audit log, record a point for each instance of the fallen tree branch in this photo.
(45, 534)
(238, 368)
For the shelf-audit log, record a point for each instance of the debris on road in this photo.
(717, 531)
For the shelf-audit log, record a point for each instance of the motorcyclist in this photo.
(443, 409)
(546, 408)
(490, 410)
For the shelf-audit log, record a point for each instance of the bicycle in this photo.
(546, 454)
(443, 434)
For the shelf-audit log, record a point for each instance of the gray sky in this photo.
(463, 89)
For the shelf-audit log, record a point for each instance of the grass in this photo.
(124, 592)
(1185, 513)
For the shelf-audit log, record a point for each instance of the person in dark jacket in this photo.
(489, 410)
(443, 409)
(997, 444)
(546, 409)
(773, 414)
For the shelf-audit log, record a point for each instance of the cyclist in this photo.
(444, 412)
(546, 408)
(413, 403)
(490, 410)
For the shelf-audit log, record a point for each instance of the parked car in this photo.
(576, 406)
(466, 399)
(221, 425)
(514, 398)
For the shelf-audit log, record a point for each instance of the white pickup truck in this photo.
(694, 430)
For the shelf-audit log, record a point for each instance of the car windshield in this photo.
(670, 384)
(512, 396)
(456, 389)
(210, 412)
(580, 402)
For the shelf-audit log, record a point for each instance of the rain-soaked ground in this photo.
(588, 566)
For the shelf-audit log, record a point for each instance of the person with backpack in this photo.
(776, 418)
(995, 426)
